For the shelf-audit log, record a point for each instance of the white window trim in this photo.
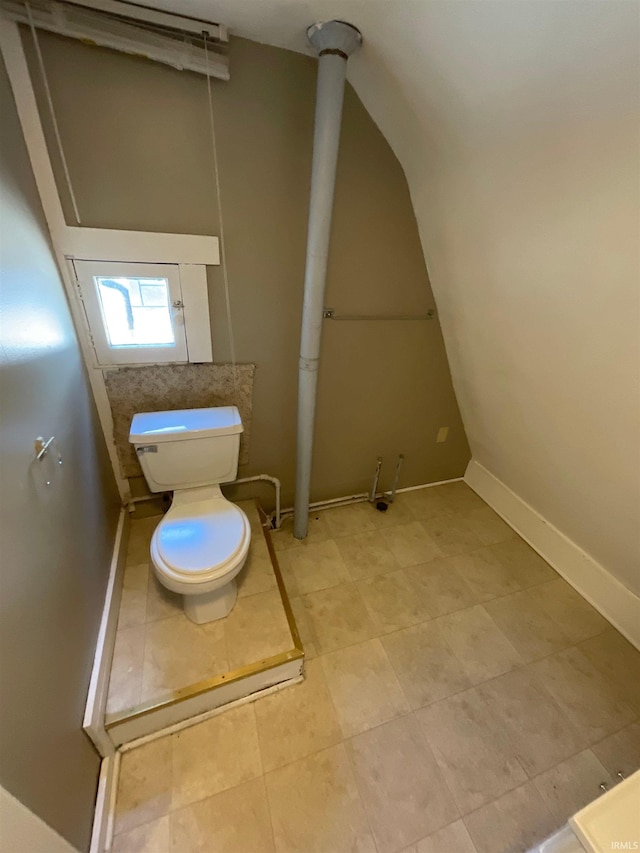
(144, 247)
(107, 354)
(71, 242)
(189, 285)
(193, 280)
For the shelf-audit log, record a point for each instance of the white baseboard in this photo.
(611, 598)
(93, 722)
(105, 809)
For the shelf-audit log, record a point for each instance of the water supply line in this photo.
(275, 482)
(335, 41)
(376, 477)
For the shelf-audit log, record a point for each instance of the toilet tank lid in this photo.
(154, 427)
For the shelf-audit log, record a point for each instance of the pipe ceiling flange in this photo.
(335, 37)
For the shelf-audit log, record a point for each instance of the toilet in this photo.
(202, 542)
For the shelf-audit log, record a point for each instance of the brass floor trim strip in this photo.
(210, 684)
(284, 595)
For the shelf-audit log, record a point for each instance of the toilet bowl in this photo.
(198, 549)
(202, 542)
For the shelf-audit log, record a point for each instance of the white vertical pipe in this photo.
(336, 41)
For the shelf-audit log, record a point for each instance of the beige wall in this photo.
(55, 541)
(21, 829)
(137, 140)
(517, 125)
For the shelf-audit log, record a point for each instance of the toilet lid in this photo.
(198, 537)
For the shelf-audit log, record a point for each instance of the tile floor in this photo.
(460, 698)
(159, 650)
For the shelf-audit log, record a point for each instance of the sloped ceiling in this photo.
(516, 122)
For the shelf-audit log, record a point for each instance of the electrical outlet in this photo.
(443, 434)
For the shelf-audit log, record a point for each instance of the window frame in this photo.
(109, 354)
(187, 285)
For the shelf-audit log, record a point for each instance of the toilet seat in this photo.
(201, 543)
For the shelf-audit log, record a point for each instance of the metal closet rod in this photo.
(330, 314)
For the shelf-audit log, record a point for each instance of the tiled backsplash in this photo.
(157, 388)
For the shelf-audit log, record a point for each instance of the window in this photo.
(138, 313)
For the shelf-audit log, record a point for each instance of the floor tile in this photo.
(569, 786)
(161, 602)
(317, 528)
(401, 787)
(579, 620)
(527, 625)
(478, 642)
(459, 497)
(151, 837)
(620, 752)
(485, 575)
(338, 617)
(144, 785)
(215, 755)
(392, 600)
(364, 687)
(257, 573)
(487, 525)
(304, 628)
(513, 823)
(439, 587)
(452, 839)
(527, 566)
(476, 758)
(140, 539)
(177, 653)
(619, 662)
(426, 503)
(297, 721)
(133, 604)
(583, 694)
(348, 519)
(452, 535)
(316, 807)
(289, 578)
(250, 509)
(317, 531)
(256, 629)
(410, 544)
(435, 642)
(541, 733)
(125, 681)
(425, 665)
(366, 554)
(317, 566)
(233, 821)
(398, 512)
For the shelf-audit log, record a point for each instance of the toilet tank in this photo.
(187, 448)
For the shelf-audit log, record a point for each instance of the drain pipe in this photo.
(335, 41)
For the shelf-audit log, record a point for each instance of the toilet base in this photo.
(210, 606)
